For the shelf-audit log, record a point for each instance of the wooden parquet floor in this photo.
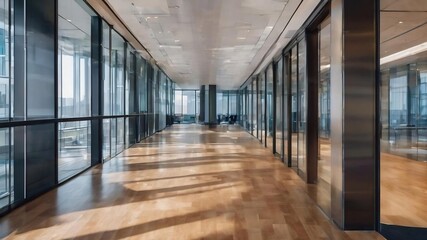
(188, 182)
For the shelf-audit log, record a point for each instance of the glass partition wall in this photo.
(282, 89)
(84, 104)
(403, 94)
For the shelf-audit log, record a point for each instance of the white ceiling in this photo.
(198, 42)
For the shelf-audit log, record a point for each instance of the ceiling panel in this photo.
(201, 42)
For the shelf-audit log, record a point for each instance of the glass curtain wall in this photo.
(403, 65)
(62, 146)
(74, 87)
(6, 163)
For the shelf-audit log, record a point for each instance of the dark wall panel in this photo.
(41, 166)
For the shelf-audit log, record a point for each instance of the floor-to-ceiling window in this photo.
(403, 65)
(74, 87)
(6, 165)
(189, 106)
(66, 96)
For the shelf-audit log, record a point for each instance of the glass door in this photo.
(324, 117)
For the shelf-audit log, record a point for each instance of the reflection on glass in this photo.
(302, 107)
(285, 108)
(106, 74)
(403, 113)
(120, 135)
(74, 61)
(106, 144)
(189, 106)
(269, 109)
(279, 107)
(294, 107)
(254, 108)
(130, 81)
(4, 59)
(142, 79)
(324, 117)
(117, 73)
(74, 148)
(261, 107)
(5, 168)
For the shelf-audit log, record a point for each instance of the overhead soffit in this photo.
(201, 42)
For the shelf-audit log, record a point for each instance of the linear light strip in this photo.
(405, 53)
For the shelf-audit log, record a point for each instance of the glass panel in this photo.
(254, 108)
(106, 68)
(178, 106)
(324, 118)
(4, 60)
(117, 73)
(279, 107)
(189, 106)
(403, 65)
(302, 107)
(285, 108)
(130, 81)
(106, 138)
(113, 138)
(142, 78)
(294, 107)
(120, 135)
(74, 60)
(74, 140)
(5, 168)
(269, 110)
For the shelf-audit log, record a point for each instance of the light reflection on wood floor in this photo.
(188, 182)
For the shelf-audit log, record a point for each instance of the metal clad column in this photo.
(353, 119)
(202, 104)
(212, 105)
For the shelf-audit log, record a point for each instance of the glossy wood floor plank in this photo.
(188, 182)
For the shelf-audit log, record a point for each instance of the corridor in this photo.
(187, 182)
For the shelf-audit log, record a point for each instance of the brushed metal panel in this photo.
(337, 210)
(353, 99)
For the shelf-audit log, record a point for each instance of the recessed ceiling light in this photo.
(177, 40)
(69, 20)
(400, 22)
(156, 17)
(241, 38)
(269, 27)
